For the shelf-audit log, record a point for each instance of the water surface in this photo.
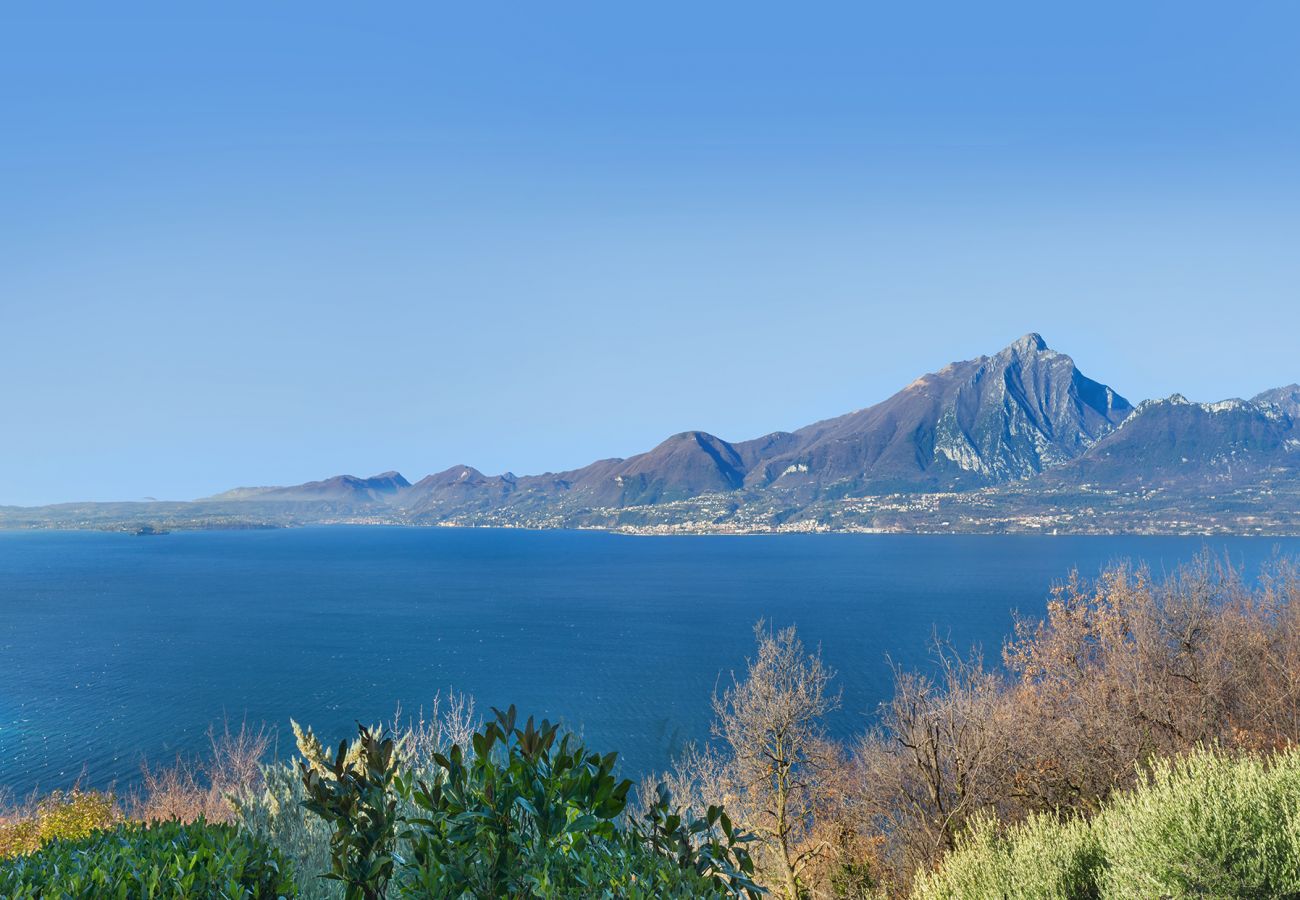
(115, 647)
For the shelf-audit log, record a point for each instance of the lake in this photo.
(115, 647)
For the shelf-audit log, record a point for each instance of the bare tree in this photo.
(1129, 668)
(935, 759)
(771, 722)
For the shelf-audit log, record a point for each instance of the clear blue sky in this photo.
(263, 243)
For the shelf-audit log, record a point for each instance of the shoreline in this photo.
(133, 529)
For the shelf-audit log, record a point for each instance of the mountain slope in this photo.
(1286, 399)
(985, 421)
(685, 465)
(340, 488)
(1017, 441)
(1175, 443)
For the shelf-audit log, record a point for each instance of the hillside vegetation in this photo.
(1203, 825)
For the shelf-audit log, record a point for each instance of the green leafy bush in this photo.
(1204, 825)
(532, 813)
(511, 818)
(142, 862)
(357, 793)
(711, 847)
(524, 811)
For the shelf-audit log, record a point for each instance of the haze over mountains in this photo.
(1019, 440)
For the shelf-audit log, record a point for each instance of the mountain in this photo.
(1177, 444)
(1286, 399)
(340, 488)
(458, 489)
(1017, 441)
(972, 424)
(685, 465)
(981, 422)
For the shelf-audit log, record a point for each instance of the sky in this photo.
(250, 244)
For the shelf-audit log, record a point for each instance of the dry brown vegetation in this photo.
(1121, 671)
(194, 788)
(230, 782)
(447, 721)
(191, 788)
(776, 758)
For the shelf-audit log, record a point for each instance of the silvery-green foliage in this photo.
(1040, 859)
(1208, 824)
(276, 814)
(275, 810)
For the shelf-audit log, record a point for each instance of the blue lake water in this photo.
(115, 647)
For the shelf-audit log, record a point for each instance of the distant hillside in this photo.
(1175, 443)
(345, 488)
(1019, 440)
(1286, 399)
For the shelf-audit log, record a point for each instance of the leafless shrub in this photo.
(701, 776)
(1120, 672)
(1127, 669)
(192, 788)
(448, 721)
(8, 806)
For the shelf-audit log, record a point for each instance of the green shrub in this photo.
(710, 848)
(532, 813)
(357, 793)
(1204, 825)
(70, 815)
(524, 811)
(1040, 859)
(141, 862)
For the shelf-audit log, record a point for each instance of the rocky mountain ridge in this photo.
(1001, 435)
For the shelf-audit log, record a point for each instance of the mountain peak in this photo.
(1028, 343)
(1286, 392)
(391, 478)
(1286, 398)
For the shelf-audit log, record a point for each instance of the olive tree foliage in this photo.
(771, 760)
